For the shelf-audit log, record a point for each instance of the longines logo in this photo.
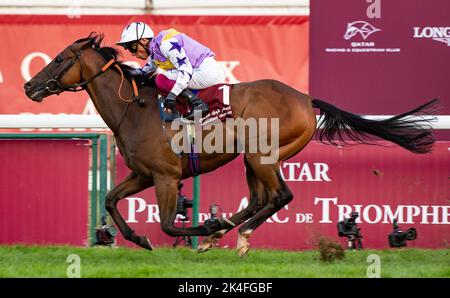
(360, 33)
(363, 28)
(441, 34)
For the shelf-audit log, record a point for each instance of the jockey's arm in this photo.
(176, 54)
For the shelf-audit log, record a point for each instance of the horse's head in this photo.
(61, 74)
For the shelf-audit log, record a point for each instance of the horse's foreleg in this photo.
(131, 185)
(258, 199)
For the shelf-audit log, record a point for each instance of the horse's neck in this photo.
(104, 92)
(101, 92)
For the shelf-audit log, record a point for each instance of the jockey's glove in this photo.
(170, 102)
(149, 67)
(137, 72)
(139, 75)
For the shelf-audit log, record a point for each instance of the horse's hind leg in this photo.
(166, 194)
(278, 196)
(258, 199)
(131, 185)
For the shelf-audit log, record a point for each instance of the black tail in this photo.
(414, 135)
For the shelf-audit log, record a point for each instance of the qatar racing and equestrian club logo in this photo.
(363, 28)
(359, 35)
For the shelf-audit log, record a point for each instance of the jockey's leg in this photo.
(208, 74)
(164, 83)
(197, 105)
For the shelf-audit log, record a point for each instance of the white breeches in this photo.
(209, 73)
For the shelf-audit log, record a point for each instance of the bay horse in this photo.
(141, 139)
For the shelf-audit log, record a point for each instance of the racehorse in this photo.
(142, 139)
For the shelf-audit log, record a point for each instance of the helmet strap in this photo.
(138, 38)
(146, 47)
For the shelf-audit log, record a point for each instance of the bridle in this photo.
(54, 86)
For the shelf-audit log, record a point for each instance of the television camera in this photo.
(348, 228)
(106, 234)
(183, 204)
(398, 237)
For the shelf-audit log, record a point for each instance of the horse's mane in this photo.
(107, 52)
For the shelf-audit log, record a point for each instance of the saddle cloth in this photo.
(214, 97)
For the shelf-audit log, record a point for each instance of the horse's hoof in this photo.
(204, 247)
(144, 243)
(242, 244)
(242, 251)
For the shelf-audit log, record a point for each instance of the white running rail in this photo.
(96, 122)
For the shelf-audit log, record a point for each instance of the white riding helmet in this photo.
(134, 32)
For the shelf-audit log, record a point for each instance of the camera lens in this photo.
(411, 234)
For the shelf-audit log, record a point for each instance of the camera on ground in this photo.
(398, 238)
(106, 235)
(349, 229)
(183, 203)
(213, 211)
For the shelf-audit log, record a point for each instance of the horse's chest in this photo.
(123, 151)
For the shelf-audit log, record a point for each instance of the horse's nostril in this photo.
(27, 86)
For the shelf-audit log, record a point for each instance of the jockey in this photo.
(181, 62)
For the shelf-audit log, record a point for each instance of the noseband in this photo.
(53, 85)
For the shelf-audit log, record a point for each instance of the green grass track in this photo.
(51, 261)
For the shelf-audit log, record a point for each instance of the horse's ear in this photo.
(83, 44)
(87, 43)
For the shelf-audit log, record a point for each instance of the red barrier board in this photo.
(248, 48)
(44, 192)
(328, 183)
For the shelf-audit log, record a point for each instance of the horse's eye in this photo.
(58, 59)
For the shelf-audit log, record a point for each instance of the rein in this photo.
(53, 85)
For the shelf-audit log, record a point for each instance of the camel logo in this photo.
(441, 34)
(361, 27)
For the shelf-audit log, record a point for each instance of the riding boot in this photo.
(197, 105)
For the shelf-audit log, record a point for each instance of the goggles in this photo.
(131, 46)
